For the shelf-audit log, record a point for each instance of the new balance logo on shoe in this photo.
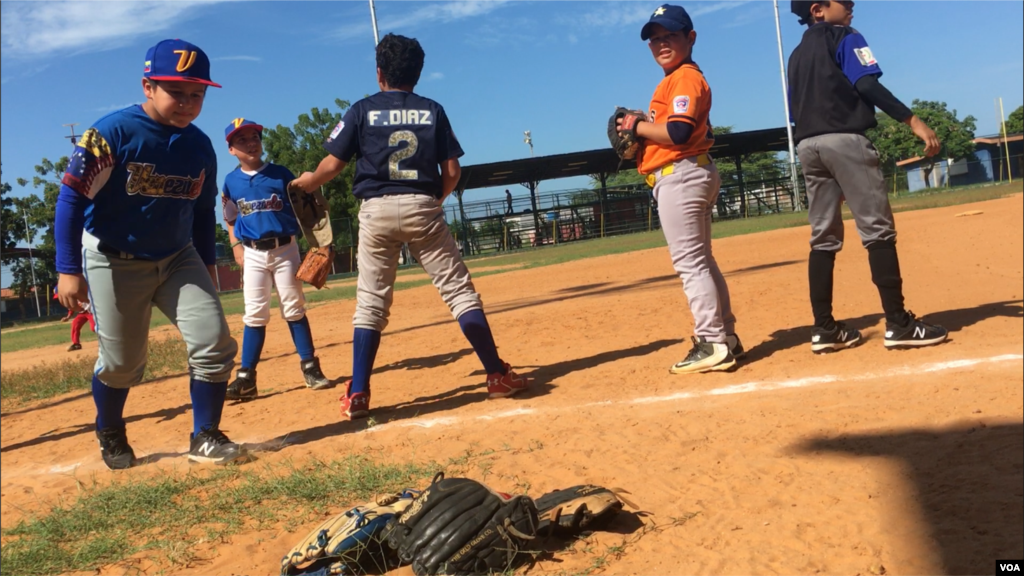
(206, 449)
(918, 331)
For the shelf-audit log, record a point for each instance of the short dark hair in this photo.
(400, 60)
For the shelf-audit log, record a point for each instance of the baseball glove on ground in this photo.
(625, 142)
(459, 526)
(572, 511)
(315, 266)
(350, 543)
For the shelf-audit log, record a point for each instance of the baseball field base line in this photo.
(745, 388)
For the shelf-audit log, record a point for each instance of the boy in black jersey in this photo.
(407, 162)
(833, 92)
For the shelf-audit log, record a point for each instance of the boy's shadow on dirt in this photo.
(952, 320)
(541, 379)
(968, 484)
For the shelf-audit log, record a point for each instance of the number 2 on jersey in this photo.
(397, 156)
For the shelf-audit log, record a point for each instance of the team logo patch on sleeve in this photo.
(681, 104)
(865, 56)
(90, 166)
(337, 130)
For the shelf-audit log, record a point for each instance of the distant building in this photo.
(988, 165)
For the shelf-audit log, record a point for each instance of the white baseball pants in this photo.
(264, 269)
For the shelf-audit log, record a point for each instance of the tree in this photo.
(7, 220)
(895, 141)
(1015, 123)
(222, 236)
(300, 149)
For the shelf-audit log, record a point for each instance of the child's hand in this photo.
(926, 134)
(302, 183)
(72, 289)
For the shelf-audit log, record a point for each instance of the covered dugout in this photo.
(573, 215)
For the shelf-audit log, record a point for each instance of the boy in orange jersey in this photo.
(676, 138)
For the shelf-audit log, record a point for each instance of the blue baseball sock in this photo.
(302, 336)
(109, 404)
(365, 343)
(252, 345)
(478, 332)
(207, 404)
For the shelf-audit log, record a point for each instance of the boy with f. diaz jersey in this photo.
(676, 138)
(406, 164)
(833, 92)
(260, 216)
(134, 229)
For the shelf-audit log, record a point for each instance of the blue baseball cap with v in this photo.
(673, 18)
(179, 61)
(241, 124)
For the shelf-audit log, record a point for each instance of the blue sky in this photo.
(499, 68)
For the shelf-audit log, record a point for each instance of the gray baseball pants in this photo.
(838, 166)
(123, 292)
(387, 222)
(685, 201)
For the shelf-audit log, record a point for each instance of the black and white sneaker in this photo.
(915, 334)
(244, 386)
(735, 346)
(705, 357)
(314, 377)
(214, 447)
(117, 453)
(840, 337)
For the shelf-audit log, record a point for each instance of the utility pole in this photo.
(373, 18)
(74, 139)
(32, 264)
(794, 179)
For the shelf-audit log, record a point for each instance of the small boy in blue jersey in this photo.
(407, 162)
(259, 215)
(134, 229)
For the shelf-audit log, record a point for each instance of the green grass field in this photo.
(55, 333)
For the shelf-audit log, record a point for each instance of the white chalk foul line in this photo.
(745, 388)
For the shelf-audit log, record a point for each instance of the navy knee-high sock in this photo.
(302, 336)
(109, 404)
(207, 404)
(478, 332)
(365, 343)
(253, 338)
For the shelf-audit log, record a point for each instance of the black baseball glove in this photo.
(622, 136)
(459, 526)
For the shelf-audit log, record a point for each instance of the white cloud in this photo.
(427, 14)
(435, 76)
(238, 59)
(709, 7)
(36, 29)
(619, 14)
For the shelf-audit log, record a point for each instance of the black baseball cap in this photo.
(802, 8)
(673, 18)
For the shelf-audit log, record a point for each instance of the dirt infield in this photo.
(866, 461)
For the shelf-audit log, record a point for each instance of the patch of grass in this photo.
(234, 303)
(166, 356)
(162, 517)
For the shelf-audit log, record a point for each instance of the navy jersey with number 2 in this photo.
(399, 139)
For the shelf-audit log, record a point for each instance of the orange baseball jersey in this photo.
(682, 96)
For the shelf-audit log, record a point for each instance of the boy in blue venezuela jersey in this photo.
(134, 229)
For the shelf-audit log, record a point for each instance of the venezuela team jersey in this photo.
(257, 204)
(144, 182)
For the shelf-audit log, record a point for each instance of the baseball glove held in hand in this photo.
(315, 266)
(625, 142)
